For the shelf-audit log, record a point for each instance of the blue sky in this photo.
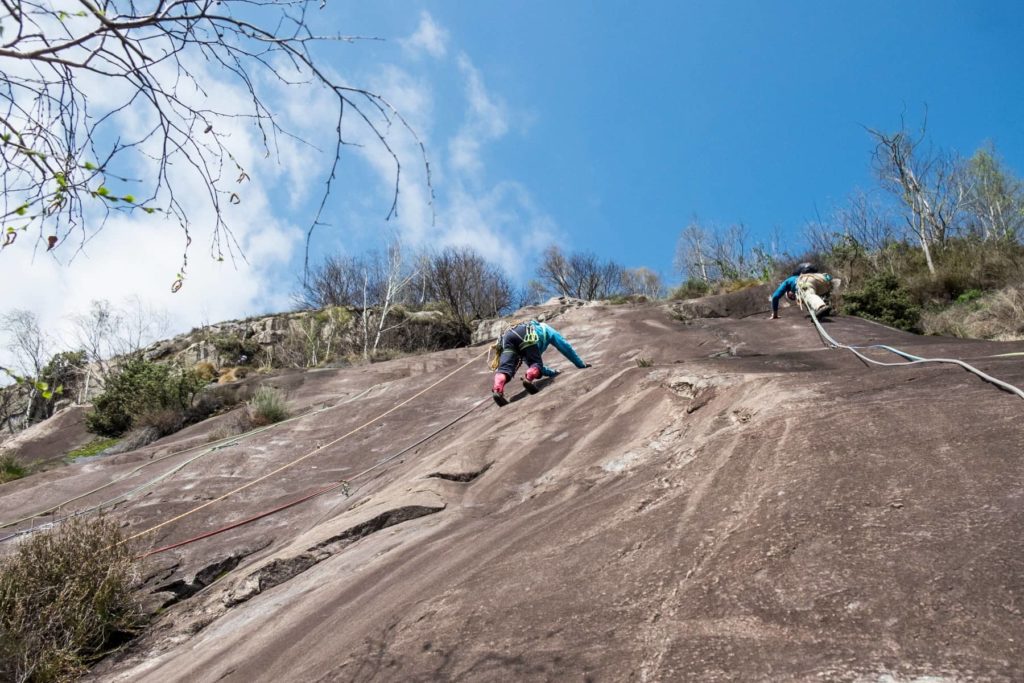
(629, 118)
(599, 126)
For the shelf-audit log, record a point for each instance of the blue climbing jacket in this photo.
(548, 335)
(788, 285)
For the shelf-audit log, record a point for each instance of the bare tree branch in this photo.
(65, 153)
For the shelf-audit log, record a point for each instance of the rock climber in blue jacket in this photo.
(808, 289)
(524, 343)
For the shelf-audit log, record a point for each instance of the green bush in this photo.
(267, 406)
(233, 348)
(883, 299)
(10, 468)
(66, 596)
(691, 289)
(138, 388)
(969, 296)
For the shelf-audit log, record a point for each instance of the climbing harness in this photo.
(495, 350)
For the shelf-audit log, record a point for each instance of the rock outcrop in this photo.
(718, 498)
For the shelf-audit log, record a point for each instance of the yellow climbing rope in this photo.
(300, 458)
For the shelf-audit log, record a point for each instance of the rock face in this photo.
(718, 498)
(488, 330)
(46, 442)
(305, 338)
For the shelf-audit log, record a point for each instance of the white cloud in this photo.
(502, 223)
(498, 218)
(486, 120)
(140, 255)
(429, 37)
(489, 115)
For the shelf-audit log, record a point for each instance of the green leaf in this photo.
(129, 198)
(102, 191)
(89, 166)
(21, 209)
(10, 230)
(61, 180)
(149, 209)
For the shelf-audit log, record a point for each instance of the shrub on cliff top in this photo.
(141, 387)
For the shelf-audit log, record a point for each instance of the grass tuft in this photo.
(10, 468)
(66, 597)
(267, 406)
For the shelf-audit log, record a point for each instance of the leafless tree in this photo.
(30, 345)
(533, 294)
(930, 185)
(140, 325)
(9, 408)
(862, 220)
(469, 286)
(642, 282)
(729, 251)
(580, 275)
(70, 73)
(709, 253)
(31, 348)
(107, 331)
(338, 281)
(995, 198)
(692, 253)
(392, 278)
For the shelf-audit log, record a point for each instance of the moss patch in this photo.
(92, 448)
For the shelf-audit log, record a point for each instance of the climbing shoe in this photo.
(499, 398)
(530, 386)
(823, 311)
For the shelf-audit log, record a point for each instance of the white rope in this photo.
(912, 359)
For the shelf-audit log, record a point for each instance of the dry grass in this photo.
(66, 596)
(267, 406)
(998, 316)
(205, 370)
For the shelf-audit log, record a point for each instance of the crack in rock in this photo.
(462, 477)
(280, 570)
(183, 589)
